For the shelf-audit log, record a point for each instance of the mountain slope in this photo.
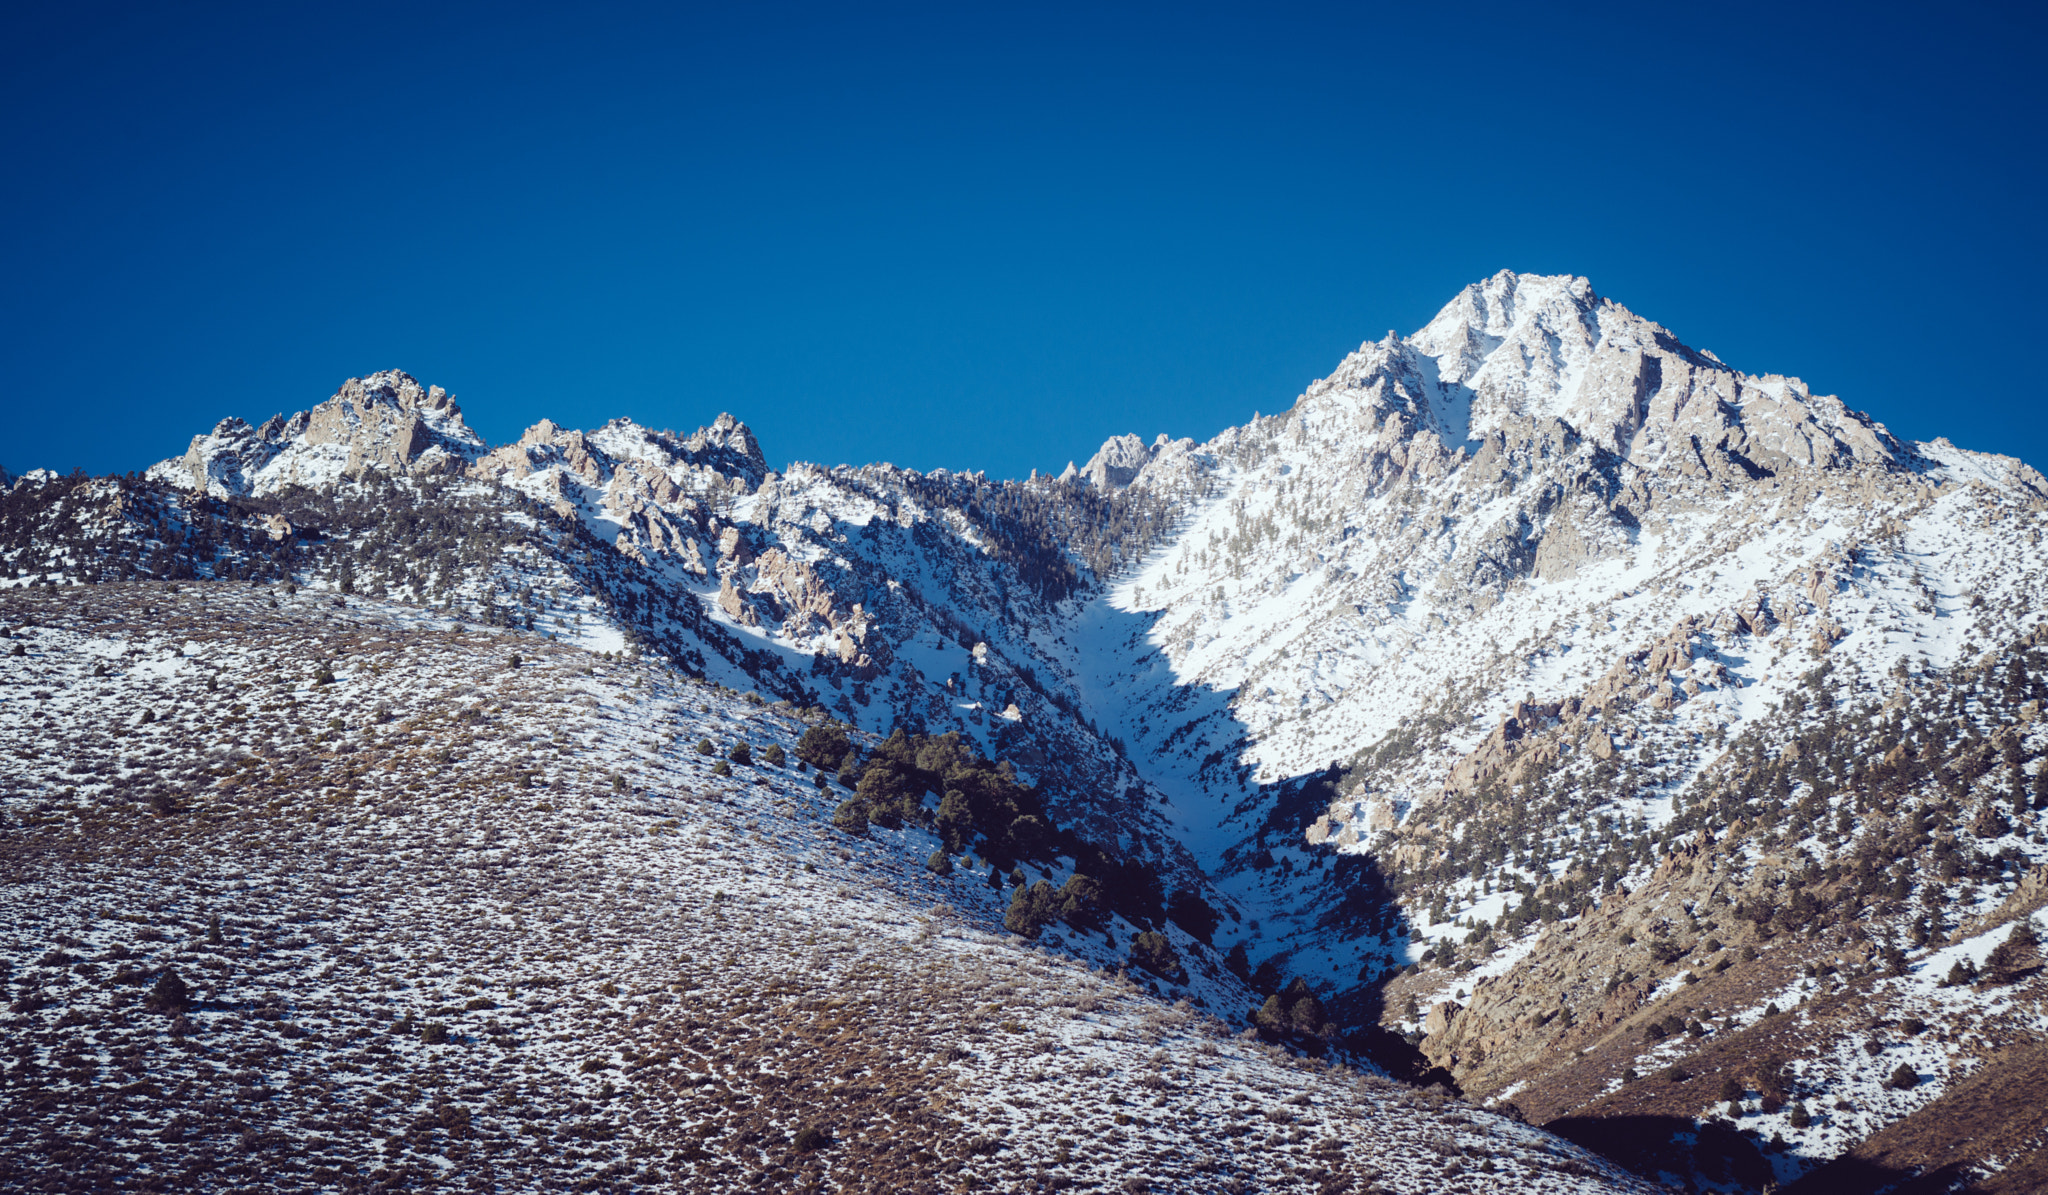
(315, 894)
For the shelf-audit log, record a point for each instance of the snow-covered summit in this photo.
(1519, 350)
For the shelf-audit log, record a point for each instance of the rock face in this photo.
(386, 422)
(1119, 461)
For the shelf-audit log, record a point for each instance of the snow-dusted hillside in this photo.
(1499, 657)
(305, 894)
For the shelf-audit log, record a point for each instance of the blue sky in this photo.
(985, 236)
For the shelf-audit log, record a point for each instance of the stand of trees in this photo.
(983, 808)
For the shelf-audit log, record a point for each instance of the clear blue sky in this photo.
(977, 236)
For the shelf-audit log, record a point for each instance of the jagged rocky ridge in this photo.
(1481, 634)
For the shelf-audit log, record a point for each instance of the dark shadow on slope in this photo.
(1650, 1145)
(1861, 1176)
(1357, 904)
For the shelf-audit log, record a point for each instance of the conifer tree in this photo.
(2014, 957)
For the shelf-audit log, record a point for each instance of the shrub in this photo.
(704, 747)
(940, 864)
(773, 755)
(812, 1138)
(1773, 1078)
(1903, 1078)
(741, 753)
(721, 768)
(1799, 1117)
(434, 1033)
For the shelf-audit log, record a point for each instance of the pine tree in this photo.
(1031, 909)
(1156, 954)
(824, 747)
(2014, 957)
(955, 822)
(1082, 903)
(170, 994)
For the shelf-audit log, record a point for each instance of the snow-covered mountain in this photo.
(1464, 690)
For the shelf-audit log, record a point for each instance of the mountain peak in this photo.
(729, 434)
(384, 421)
(1496, 305)
(1514, 351)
